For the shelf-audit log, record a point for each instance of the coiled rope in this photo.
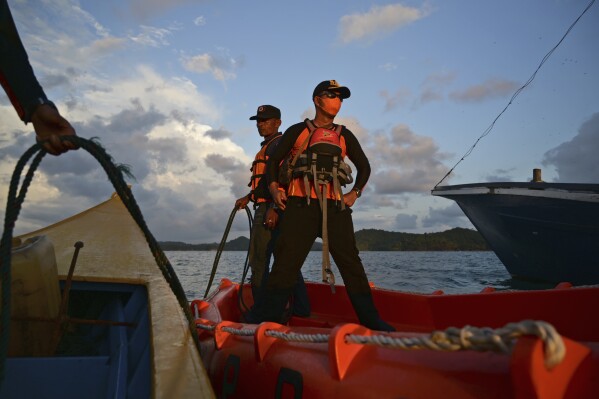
(13, 207)
(242, 305)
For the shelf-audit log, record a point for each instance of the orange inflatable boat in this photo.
(494, 344)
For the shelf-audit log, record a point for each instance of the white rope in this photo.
(451, 339)
(478, 339)
(238, 331)
(205, 327)
(295, 337)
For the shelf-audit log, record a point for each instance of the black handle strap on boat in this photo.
(221, 247)
(13, 207)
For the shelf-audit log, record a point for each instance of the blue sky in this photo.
(168, 87)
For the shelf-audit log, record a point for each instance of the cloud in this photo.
(491, 88)
(159, 124)
(395, 100)
(221, 67)
(150, 122)
(378, 22)
(388, 67)
(434, 85)
(233, 170)
(144, 9)
(439, 79)
(80, 42)
(405, 162)
(199, 21)
(500, 175)
(576, 161)
(171, 94)
(444, 218)
(218, 134)
(433, 88)
(223, 164)
(151, 36)
(405, 222)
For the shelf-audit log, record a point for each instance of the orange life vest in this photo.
(259, 187)
(298, 184)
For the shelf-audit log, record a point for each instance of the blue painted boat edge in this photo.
(121, 370)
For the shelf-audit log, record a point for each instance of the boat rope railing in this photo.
(478, 339)
(297, 337)
(244, 332)
(452, 339)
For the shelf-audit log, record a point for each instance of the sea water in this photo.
(422, 272)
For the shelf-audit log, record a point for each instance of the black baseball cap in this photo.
(331, 85)
(267, 112)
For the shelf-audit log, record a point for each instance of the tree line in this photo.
(457, 239)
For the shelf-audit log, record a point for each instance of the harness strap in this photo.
(327, 272)
(307, 184)
(336, 184)
(315, 181)
(305, 143)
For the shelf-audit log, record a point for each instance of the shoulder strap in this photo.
(311, 129)
(270, 142)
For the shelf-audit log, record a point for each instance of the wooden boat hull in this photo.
(155, 356)
(245, 360)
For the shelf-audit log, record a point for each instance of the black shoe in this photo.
(367, 312)
(250, 317)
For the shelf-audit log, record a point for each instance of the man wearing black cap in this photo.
(266, 218)
(304, 216)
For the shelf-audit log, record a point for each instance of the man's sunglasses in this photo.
(330, 94)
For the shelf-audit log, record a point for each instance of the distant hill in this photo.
(457, 239)
(237, 244)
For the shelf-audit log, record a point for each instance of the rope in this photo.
(295, 337)
(451, 339)
(246, 265)
(13, 207)
(327, 273)
(478, 339)
(237, 331)
(221, 246)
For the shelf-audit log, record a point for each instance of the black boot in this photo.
(300, 301)
(251, 316)
(270, 306)
(367, 313)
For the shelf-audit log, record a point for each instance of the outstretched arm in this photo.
(24, 91)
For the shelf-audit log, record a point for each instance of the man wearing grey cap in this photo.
(266, 218)
(307, 216)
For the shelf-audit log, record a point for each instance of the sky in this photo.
(168, 87)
